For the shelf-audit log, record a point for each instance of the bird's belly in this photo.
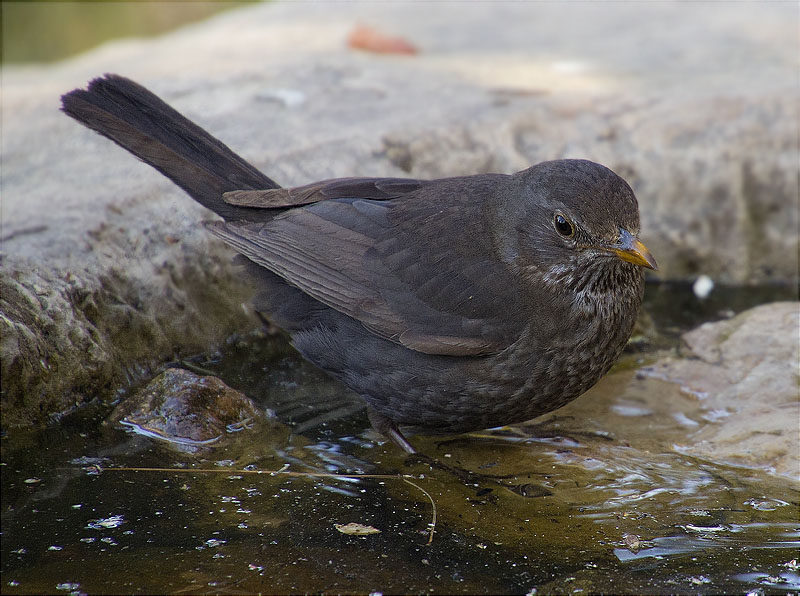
(458, 394)
(471, 396)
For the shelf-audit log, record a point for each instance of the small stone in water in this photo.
(632, 542)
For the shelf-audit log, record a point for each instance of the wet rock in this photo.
(187, 410)
(106, 272)
(743, 372)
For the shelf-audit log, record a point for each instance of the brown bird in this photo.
(450, 305)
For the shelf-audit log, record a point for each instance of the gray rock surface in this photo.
(744, 376)
(104, 270)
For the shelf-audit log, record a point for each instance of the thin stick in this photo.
(281, 472)
(431, 525)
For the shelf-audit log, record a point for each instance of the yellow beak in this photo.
(630, 249)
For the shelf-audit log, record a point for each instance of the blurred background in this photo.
(36, 31)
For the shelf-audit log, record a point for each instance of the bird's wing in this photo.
(418, 271)
(354, 188)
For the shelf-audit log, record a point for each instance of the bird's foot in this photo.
(386, 426)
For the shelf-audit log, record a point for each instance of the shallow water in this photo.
(595, 497)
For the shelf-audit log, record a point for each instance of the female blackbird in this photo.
(450, 305)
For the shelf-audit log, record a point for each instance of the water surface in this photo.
(592, 498)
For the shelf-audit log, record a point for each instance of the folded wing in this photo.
(393, 263)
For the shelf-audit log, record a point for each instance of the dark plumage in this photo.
(450, 305)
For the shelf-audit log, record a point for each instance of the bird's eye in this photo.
(563, 226)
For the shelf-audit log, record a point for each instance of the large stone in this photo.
(744, 374)
(187, 411)
(104, 270)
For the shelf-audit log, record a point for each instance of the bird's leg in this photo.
(386, 426)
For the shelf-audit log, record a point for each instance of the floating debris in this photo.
(354, 529)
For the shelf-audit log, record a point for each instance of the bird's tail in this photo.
(140, 122)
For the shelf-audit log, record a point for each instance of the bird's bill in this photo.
(631, 249)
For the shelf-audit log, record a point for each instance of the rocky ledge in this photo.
(105, 271)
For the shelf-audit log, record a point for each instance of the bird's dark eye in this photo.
(563, 226)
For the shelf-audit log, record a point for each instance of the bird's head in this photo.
(570, 222)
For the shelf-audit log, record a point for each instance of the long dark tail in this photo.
(140, 122)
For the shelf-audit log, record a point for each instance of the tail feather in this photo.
(140, 122)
